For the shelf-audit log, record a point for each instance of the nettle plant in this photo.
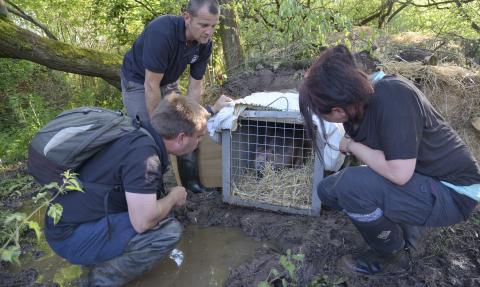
(290, 264)
(15, 223)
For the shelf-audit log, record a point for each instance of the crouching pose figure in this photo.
(418, 172)
(122, 233)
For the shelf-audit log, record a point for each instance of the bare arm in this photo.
(195, 89)
(145, 211)
(398, 171)
(152, 90)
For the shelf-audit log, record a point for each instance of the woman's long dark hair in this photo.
(333, 81)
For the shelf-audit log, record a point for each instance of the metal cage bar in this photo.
(265, 131)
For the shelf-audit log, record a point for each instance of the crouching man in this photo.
(123, 232)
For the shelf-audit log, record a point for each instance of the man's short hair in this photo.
(176, 114)
(194, 6)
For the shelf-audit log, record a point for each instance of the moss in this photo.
(9, 30)
(64, 50)
(66, 275)
(69, 51)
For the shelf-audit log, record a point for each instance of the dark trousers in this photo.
(133, 97)
(366, 196)
(122, 255)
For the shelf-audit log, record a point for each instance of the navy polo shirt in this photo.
(134, 161)
(162, 48)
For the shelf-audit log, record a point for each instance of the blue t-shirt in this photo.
(162, 48)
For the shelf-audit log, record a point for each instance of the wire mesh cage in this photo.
(269, 163)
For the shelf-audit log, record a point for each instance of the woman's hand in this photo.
(345, 144)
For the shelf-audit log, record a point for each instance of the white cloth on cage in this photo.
(227, 117)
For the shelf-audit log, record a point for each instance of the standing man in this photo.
(157, 59)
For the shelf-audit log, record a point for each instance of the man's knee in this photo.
(174, 229)
(168, 232)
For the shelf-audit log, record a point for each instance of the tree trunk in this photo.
(229, 33)
(3, 9)
(19, 43)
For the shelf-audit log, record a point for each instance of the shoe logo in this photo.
(384, 235)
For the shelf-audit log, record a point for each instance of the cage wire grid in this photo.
(271, 165)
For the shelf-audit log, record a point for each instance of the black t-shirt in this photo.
(132, 161)
(162, 48)
(401, 122)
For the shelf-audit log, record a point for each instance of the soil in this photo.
(451, 256)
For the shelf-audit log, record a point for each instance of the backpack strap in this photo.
(109, 188)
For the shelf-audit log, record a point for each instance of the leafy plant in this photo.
(325, 281)
(16, 222)
(15, 186)
(290, 264)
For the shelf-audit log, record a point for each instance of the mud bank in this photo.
(451, 257)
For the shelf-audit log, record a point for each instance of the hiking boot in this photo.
(371, 263)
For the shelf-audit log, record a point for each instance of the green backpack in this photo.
(71, 138)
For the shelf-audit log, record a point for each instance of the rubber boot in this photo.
(414, 237)
(188, 171)
(387, 256)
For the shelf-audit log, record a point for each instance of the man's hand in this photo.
(223, 101)
(179, 195)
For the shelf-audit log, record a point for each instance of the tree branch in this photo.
(20, 13)
(388, 7)
(466, 16)
(434, 3)
(147, 7)
(403, 6)
(19, 43)
(370, 18)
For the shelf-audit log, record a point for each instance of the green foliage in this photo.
(31, 95)
(291, 264)
(11, 254)
(325, 281)
(55, 212)
(14, 224)
(288, 30)
(15, 186)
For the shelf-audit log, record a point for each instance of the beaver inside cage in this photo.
(272, 162)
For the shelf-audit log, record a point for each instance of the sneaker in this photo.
(371, 263)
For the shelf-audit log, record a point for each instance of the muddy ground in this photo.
(451, 257)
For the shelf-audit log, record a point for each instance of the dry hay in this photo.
(289, 187)
(453, 91)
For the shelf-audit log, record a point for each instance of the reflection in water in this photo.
(209, 254)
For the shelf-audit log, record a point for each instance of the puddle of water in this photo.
(50, 267)
(209, 255)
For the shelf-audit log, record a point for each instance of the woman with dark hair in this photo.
(418, 172)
